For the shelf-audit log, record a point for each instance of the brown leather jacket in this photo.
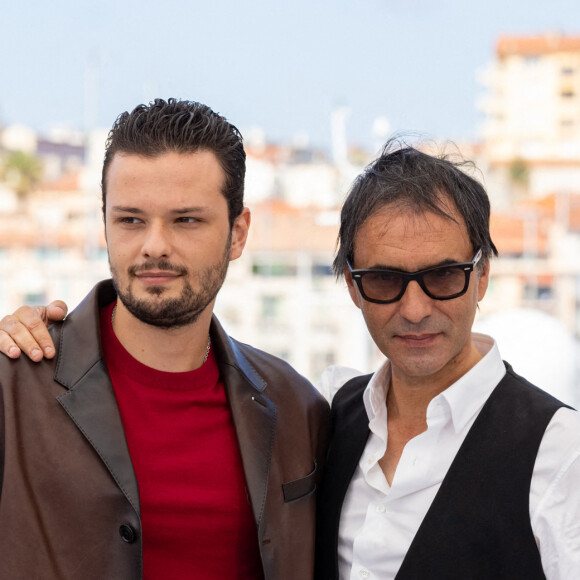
(69, 500)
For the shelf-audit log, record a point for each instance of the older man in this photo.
(153, 445)
(444, 463)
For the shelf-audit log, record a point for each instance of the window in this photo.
(271, 307)
(538, 292)
(273, 269)
(321, 270)
(34, 298)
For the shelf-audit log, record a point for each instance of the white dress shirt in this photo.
(378, 522)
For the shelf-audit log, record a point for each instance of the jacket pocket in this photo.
(302, 487)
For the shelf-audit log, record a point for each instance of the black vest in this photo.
(478, 526)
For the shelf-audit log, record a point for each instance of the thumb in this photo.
(54, 312)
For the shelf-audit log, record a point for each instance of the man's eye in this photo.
(444, 272)
(187, 220)
(129, 220)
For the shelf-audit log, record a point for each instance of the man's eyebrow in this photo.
(125, 209)
(446, 262)
(192, 209)
(177, 211)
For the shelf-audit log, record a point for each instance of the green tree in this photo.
(519, 173)
(21, 171)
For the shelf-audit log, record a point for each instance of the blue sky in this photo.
(280, 65)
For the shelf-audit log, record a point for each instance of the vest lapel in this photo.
(350, 433)
(478, 525)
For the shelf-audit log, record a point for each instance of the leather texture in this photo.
(69, 499)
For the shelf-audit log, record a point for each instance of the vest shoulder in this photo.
(519, 386)
(351, 391)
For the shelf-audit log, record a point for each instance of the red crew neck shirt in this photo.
(196, 519)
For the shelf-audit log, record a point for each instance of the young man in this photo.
(153, 445)
(444, 464)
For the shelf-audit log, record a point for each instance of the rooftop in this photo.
(536, 45)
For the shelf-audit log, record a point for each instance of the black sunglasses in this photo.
(383, 286)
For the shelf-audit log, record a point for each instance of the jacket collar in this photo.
(229, 353)
(90, 400)
(253, 412)
(77, 342)
(79, 336)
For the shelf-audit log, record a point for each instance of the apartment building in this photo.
(531, 129)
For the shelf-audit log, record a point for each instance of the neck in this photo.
(171, 350)
(409, 396)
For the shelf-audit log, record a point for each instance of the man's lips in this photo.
(157, 276)
(419, 339)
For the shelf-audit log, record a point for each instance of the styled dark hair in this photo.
(408, 179)
(181, 127)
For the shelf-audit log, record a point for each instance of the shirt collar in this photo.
(463, 398)
(467, 396)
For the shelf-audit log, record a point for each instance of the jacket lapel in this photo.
(254, 415)
(90, 400)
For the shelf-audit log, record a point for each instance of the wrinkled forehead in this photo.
(412, 214)
(404, 234)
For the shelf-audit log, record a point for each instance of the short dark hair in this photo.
(412, 180)
(182, 127)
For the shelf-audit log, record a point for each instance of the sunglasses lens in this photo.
(445, 281)
(382, 285)
(442, 283)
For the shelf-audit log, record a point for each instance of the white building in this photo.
(532, 114)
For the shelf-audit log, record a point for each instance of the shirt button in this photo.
(364, 573)
(127, 533)
(381, 508)
(371, 459)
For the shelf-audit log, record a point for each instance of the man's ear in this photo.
(483, 281)
(240, 233)
(352, 288)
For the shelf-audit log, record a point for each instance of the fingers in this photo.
(7, 345)
(25, 331)
(55, 311)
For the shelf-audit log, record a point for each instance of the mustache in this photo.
(418, 328)
(158, 265)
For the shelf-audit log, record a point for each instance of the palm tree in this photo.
(21, 171)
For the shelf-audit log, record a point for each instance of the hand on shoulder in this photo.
(25, 331)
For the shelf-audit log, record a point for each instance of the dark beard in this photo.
(173, 312)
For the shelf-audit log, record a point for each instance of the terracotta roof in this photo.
(277, 226)
(557, 206)
(536, 45)
(14, 234)
(508, 234)
(66, 182)
(508, 230)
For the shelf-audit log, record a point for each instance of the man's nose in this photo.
(415, 305)
(157, 242)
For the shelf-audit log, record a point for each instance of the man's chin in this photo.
(163, 318)
(156, 290)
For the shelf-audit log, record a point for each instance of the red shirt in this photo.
(196, 519)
